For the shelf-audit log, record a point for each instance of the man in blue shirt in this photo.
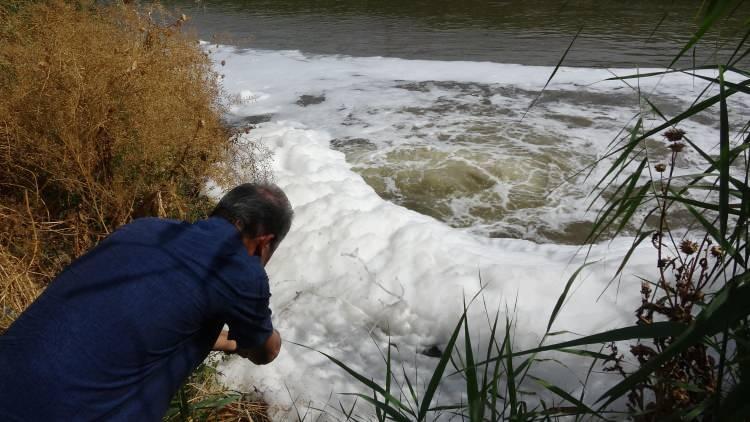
(120, 329)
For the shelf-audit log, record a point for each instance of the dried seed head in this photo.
(717, 252)
(677, 146)
(645, 289)
(642, 350)
(655, 239)
(660, 167)
(674, 134)
(688, 247)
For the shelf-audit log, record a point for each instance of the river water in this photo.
(615, 33)
(455, 148)
(404, 137)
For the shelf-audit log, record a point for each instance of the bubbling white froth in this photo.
(447, 139)
(357, 271)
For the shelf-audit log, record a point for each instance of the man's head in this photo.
(261, 212)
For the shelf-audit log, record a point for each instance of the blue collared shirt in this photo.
(120, 329)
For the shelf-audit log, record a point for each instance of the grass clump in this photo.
(203, 398)
(105, 115)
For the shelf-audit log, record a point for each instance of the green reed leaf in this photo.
(724, 162)
(657, 329)
(361, 378)
(487, 384)
(658, 25)
(389, 410)
(659, 73)
(700, 204)
(711, 229)
(439, 370)
(476, 404)
(411, 388)
(716, 10)
(388, 373)
(579, 405)
(510, 374)
(554, 72)
(564, 294)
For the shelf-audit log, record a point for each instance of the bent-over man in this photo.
(120, 329)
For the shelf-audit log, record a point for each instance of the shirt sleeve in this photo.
(250, 327)
(244, 307)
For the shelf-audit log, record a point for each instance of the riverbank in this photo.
(106, 115)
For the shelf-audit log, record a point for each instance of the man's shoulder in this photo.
(144, 232)
(155, 222)
(151, 225)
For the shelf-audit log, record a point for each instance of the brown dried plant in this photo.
(685, 269)
(105, 115)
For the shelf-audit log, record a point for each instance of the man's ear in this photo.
(266, 238)
(256, 246)
(265, 251)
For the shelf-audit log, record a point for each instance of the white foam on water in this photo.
(357, 270)
(446, 138)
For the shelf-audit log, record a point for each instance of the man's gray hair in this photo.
(257, 209)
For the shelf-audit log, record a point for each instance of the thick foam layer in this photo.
(447, 139)
(357, 270)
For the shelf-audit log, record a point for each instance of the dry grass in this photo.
(17, 289)
(105, 115)
(204, 398)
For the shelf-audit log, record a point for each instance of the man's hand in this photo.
(261, 355)
(223, 344)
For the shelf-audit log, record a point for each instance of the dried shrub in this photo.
(17, 289)
(687, 270)
(105, 115)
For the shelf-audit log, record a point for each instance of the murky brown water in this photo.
(615, 33)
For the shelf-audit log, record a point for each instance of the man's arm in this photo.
(261, 355)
